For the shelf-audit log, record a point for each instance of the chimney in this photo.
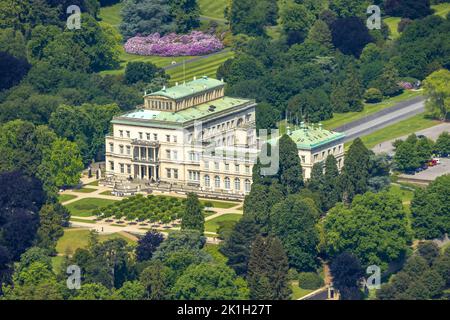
(164, 89)
(195, 78)
(320, 126)
(176, 83)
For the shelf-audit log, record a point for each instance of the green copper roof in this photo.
(311, 137)
(189, 88)
(168, 119)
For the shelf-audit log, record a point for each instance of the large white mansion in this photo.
(191, 137)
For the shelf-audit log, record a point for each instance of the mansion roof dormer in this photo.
(186, 95)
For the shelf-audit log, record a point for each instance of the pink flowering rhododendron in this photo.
(194, 44)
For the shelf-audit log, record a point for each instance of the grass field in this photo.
(220, 204)
(405, 194)
(84, 207)
(213, 8)
(392, 23)
(93, 183)
(111, 15)
(84, 190)
(78, 238)
(204, 67)
(441, 9)
(402, 128)
(65, 197)
(213, 225)
(340, 119)
(213, 250)
(298, 292)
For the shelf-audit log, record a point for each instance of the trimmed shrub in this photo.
(373, 95)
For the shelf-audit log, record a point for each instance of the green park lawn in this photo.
(402, 128)
(402, 192)
(78, 238)
(84, 207)
(213, 225)
(204, 67)
(392, 23)
(84, 190)
(93, 183)
(213, 250)
(441, 9)
(213, 8)
(220, 204)
(340, 119)
(298, 292)
(111, 15)
(65, 197)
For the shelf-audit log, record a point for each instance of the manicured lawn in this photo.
(106, 193)
(441, 9)
(298, 292)
(392, 23)
(213, 225)
(84, 207)
(340, 119)
(82, 220)
(93, 183)
(220, 204)
(78, 238)
(205, 67)
(84, 190)
(56, 263)
(111, 15)
(213, 8)
(65, 197)
(405, 194)
(402, 128)
(213, 250)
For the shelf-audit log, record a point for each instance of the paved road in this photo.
(383, 118)
(432, 133)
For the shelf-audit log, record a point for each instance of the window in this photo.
(168, 138)
(194, 175)
(111, 165)
(247, 169)
(207, 181)
(168, 154)
(247, 185)
(175, 173)
(175, 139)
(128, 134)
(236, 167)
(128, 150)
(315, 157)
(148, 136)
(168, 173)
(217, 182)
(227, 167)
(303, 159)
(216, 165)
(140, 135)
(111, 147)
(237, 184)
(121, 149)
(122, 168)
(227, 183)
(155, 137)
(129, 168)
(121, 133)
(206, 165)
(175, 155)
(194, 156)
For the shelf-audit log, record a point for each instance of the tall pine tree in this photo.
(193, 218)
(330, 188)
(290, 171)
(355, 173)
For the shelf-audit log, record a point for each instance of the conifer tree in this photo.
(330, 188)
(193, 218)
(237, 246)
(355, 173)
(290, 171)
(278, 267)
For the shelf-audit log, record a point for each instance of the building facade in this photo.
(191, 137)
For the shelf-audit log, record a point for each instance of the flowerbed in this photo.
(171, 45)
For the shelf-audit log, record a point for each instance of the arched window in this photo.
(217, 182)
(237, 184)
(248, 185)
(207, 181)
(227, 183)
